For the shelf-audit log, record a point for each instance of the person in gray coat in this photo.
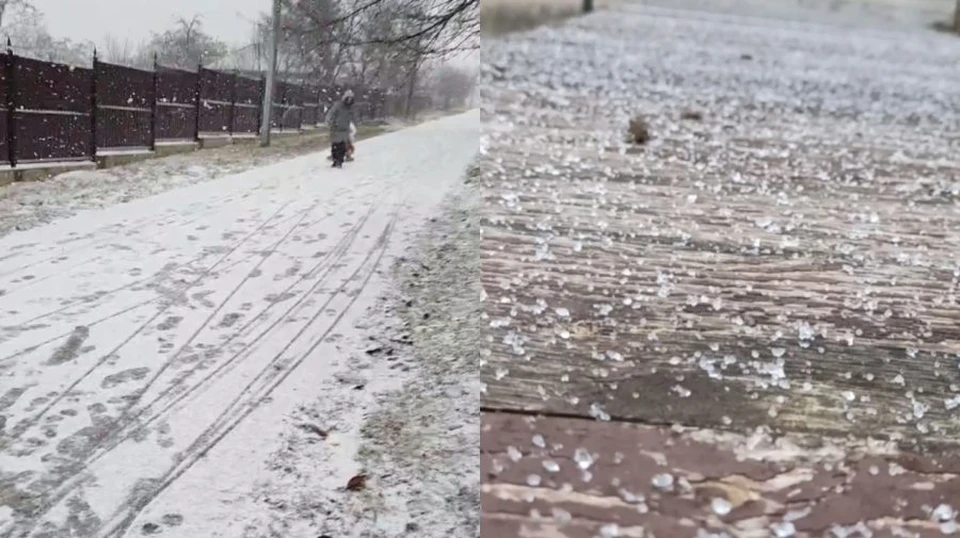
(339, 120)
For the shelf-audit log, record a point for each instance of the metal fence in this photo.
(55, 112)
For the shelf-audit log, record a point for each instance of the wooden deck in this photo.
(759, 306)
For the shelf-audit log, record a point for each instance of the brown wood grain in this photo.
(572, 478)
(651, 288)
(759, 305)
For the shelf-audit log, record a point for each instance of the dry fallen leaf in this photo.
(313, 428)
(639, 131)
(357, 483)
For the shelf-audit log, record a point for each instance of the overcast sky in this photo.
(82, 20)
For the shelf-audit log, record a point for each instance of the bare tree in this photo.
(123, 52)
(186, 45)
(387, 44)
(6, 5)
(435, 27)
(312, 37)
(365, 36)
(453, 86)
(27, 30)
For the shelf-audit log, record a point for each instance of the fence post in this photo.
(282, 101)
(197, 96)
(233, 104)
(321, 118)
(300, 103)
(587, 6)
(282, 95)
(93, 108)
(153, 104)
(263, 89)
(9, 67)
(294, 107)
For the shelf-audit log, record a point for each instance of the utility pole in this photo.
(271, 78)
(956, 18)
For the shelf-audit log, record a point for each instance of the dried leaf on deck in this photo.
(357, 483)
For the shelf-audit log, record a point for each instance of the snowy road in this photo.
(148, 350)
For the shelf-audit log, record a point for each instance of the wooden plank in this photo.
(707, 311)
(572, 478)
(776, 264)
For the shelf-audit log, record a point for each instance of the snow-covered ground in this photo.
(160, 358)
(29, 204)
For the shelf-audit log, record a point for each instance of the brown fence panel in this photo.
(292, 108)
(358, 103)
(176, 104)
(389, 101)
(370, 104)
(378, 102)
(394, 105)
(52, 107)
(276, 113)
(4, 119)
(364, 111)
(310, 114)
(422, 103)
(124, 103)
(53, 111)
(246, 113)
(216, 96)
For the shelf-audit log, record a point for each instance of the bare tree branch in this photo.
(437, 28)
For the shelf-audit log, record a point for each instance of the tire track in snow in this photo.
(11, 291)
(266, 382)
(226, 425)
(159, 278)
(67, 484)
(138, 225)
(97, 242)
(146, 280)
(67, 334)
(153, 379)
(405, 169)
(331, 261)
(25, 425)
(115, 230)
(211, 206)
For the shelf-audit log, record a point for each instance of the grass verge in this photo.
(498, 17)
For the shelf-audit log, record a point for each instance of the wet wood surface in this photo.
(778, 264)
(574, 478)
(763, 265)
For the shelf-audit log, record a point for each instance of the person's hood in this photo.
(347, 96)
